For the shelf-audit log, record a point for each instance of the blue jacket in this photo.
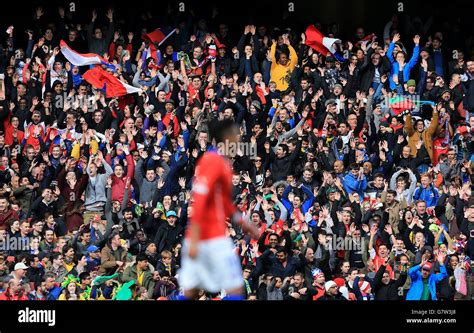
(305, 205)
(395, 67)
(352, 184)
(53, 294)
(416, 289)
(429, 195)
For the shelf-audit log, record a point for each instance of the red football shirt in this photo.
(212, 195)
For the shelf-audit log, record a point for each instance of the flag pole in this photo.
(167, 36)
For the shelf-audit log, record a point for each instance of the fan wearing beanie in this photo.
(332, 292)
(363, 290)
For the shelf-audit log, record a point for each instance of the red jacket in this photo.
(9, 215)
(5, 296)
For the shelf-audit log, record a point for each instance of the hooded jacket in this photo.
(416, 290)
(352, 184)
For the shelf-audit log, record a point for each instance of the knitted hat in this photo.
(364, 287)
(317, 273)
(328, 285)
(256, 104)
(340, 282)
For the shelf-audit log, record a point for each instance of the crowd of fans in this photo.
(360, 183)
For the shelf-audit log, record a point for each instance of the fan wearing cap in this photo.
(424, 281)
(462, 141)
(19, 272)
(92, 258)
(169, 233)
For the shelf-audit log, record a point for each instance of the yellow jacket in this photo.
(279, 73)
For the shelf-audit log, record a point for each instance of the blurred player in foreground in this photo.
(209, 261)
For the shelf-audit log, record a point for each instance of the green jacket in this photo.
(130, 273)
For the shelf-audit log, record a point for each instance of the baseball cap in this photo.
(171, 213)
(20, 265)
(411, 83)
(434, 227)
(328, 285)
(331, 190)
(427, 266)
(384, 123)
(92, 248)
(330, 101)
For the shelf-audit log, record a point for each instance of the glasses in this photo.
(258, 161)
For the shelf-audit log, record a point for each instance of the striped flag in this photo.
(321, 44)
(82, 59)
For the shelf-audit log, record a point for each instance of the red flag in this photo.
(367, 39)
(101, 79)
(156, 38)
(402, 105)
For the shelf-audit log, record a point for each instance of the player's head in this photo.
(224, 131)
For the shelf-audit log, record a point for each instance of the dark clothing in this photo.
(390, 291)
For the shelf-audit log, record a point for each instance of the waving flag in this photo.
(321, 44)
(101, 79)
(156, 38)
(365, 40)
(402, 105)
(82, 59)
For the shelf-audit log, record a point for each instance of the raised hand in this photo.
(110, 14)
(416, 39)
(396, 38)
